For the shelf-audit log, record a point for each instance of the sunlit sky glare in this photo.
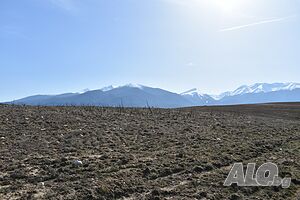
(57, 46)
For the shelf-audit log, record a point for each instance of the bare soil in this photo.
(131, 153)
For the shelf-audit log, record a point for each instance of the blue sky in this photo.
(56, 46)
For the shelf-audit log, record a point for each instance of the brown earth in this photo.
(145, 153)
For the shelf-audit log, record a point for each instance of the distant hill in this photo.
(127, 96)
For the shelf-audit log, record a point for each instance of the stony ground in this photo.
(144, 153)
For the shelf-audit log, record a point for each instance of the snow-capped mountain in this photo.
(130, 95)
(135, 95)
(261, 93)
(107, 88)
(196, 97)
(256, 93)
(260, 87)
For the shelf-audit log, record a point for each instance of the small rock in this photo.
(42, 184)
(273, 158)
(218, 139)
(78, 162)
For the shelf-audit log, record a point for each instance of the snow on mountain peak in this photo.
(107, 88)
(84, 90)
(111, 87)
(260, 87)
(291, 86)
(133, 85)
(192, 92)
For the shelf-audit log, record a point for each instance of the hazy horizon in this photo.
(137, 85)
(59, 46)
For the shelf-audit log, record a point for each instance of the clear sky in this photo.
(56, 46)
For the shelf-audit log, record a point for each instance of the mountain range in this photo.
(133, 95)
